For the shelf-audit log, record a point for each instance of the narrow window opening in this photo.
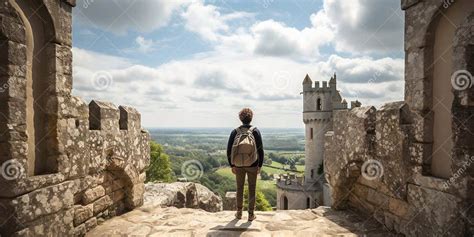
(311, 133)
(308, 203)
(318, 104)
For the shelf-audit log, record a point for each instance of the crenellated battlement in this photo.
(320, 86)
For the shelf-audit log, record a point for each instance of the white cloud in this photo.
(356, 27)
(364, 69)
(119, 16)
(364, 25)
(207, 21)
(261, 64)
(186, 92)
(275, 39)
(144, 45)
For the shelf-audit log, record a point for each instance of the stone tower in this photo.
(318, 105)
(319, 102)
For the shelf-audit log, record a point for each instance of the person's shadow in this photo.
(231, 229)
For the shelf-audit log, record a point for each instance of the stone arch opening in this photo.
(285, 203)
(440, 55)
(319, 104)
(308, 202)
(124, 188)
(40, 120)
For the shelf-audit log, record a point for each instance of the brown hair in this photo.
(246, 115)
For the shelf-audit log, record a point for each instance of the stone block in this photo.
(134, 197)
(399, 207)
(420, 153)
(422, 126)
(44, 201)
(417, 21)
(102, 204)
(12, 29)
(361, 191)
(91, 224)
(82, 213)
(230, 201)
(408, 3)
(418, 64)
(80, 230)
(103, 116)
(12, 87)
(433, 208)
(93, 194)
(15, 53)
(130, 119)
(377, 198)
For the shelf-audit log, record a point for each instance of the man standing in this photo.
(245, 156)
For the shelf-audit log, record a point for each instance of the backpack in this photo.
(244, 148)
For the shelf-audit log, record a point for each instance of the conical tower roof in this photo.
(307, 80)
(333, 79)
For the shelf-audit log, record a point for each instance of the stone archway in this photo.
(285, 202)
(440, 68)
(127, 187)
(32, 52)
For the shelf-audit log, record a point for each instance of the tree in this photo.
(160, 165)
(261, 203)
(301, 161)
(264, 175)
(291, 162)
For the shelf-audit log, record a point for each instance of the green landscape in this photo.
(199, 155)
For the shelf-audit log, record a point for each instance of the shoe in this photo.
(252, 217)
(238, 215)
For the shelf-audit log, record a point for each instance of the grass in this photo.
(271, 170)
(261, 184)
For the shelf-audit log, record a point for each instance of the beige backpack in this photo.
(244, 148)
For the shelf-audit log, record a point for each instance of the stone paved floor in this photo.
(171, 221)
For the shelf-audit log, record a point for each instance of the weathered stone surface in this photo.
(45, 199)
(190, 195)
(91, 224)
(153, 221)
(82, 213)
(93, 194)
(230, 201)
(101, 204)
(434, 207)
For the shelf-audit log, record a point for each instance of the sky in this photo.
(196, 63)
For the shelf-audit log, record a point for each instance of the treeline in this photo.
(170, 167)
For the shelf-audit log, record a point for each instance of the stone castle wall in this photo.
(383, 161)
(65, 165)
